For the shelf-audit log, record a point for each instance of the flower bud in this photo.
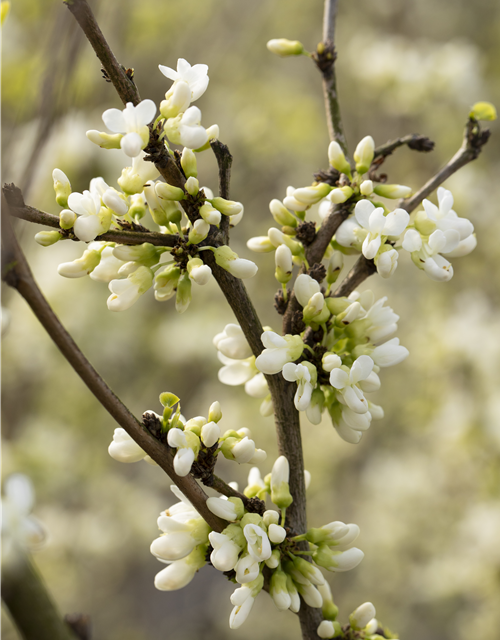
(192, 186)
(238, 267)
(209, 214)
(312, 195)
(270, 517)
(363, 155)
(67, 219)
(215, 412)
(284, 264)
(337, 158)
(199, 232)
(280, 491)
(105, 140)
(276, 533)
(392, 190)
(81, 267)
(361, 616)
(334, 267)
(281, 214)
(168, 192)
(274, 560)
(283, 47)
(183, 296)
(260, 244)
(483, 111)
(326, 629)
(46, 238)
(62, 187)
(337, 196)
(188, 163)
(227, 207)
(366, 188)
(210, 433)
(115, 202)
(231, 509)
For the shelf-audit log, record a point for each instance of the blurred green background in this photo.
(424, 483)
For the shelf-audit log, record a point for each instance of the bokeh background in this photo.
(424, 482)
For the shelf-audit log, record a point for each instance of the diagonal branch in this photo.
(412, 141)
(18, 275)
(224, 162)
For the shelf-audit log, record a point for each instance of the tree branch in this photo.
(361, 270)
(18, 275)
(224, 162)
(324, 58)
(473, 141)
(413, 140)
(20, 210)
(28, 601)
(121, 78)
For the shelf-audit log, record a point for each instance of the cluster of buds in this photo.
(333, 373)
(362, 624)
(196, 439)
(251, 543)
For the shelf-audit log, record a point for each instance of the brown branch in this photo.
(29, 602)
(413, 141)
(474, 140)
(324, 58)
(361, 270)
(122, 81)
(18, 275)
(224, 162)
(20, 210)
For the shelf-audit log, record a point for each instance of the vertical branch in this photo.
(325, 61)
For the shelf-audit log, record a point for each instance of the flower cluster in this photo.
(436, 232)
(195, 440)
(131, 270)
(362, 624)
(252, 542)
(335, 371)
(373, 230)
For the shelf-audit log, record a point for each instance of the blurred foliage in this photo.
(424, 483)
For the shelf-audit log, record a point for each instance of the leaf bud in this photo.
(283, 47)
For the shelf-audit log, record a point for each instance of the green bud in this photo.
(392, 190)
(283, 47)
(239, 506)
(423, 224)
(281, 214)
(337, 158)
(363, 155)
(67, 219)
(483, 111)
(330, 611)
(168, 192)
(337, 305)
(192, 186)
(215, 412)
(227, 207)
(62, 187)
(46, 238)
(138, 206)
(188, 163)
(251, 518)
(105, 140)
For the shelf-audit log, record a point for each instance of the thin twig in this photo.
(324, 58)
(474, 140)
(362, 269)
(18, 275)
(413, 141)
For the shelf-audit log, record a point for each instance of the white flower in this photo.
(247, 569)
(373, 221)
(223, 508)
(346, 383)
(238, 267)
(124, 449)
(276, 533)
(302, 374)
(232, 343)
(195, 76)
(259, 546)
(186, 129)
(181, 534)
(132, 121)
(280, 472)
(18, 526)
(363, 154)
(444, 217)
(210, 433)
(279, 350)
(242, 600)
(125, 293)
(236, 372)
(185, 456)
(260, 244)
(257, 386)
(426, 253)
(81, 266)
(311, 595)
(133, 179)
(389, 353)
(87, 206)
(387, 263)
